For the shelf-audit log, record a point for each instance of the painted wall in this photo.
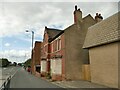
(56, 66)
(75, 55)
(43, 66)
(104, 64)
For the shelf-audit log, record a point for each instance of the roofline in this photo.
(101, 44)
(87, 16)
(56, 36)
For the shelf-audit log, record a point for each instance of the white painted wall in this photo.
(56, 66)
(43, 66)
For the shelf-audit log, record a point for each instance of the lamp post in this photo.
(32, 49)
(32, 36)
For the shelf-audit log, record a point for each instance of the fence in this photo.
(5, 83)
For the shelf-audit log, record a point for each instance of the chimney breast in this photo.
(77, 15)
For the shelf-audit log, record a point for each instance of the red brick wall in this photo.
(59, 52)
(37, 53)
(45, 49)
(36, 58)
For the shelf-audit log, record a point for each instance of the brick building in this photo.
(57, 56)
(65, 55)
(103, 41)
(74, 36)
(49, 34)
(36, 59)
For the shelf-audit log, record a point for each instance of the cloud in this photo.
(7, 44)
(33, 15)
(18, 16)
(61, 0)
(15, 55)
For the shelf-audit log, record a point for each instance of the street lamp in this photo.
(32, 36)
(32, 45)
(32, 42)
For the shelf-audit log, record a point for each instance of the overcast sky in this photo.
(16, 17)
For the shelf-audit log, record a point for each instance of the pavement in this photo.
(78, 84)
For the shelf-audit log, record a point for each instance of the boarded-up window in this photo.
(43, 66)
(56, 66)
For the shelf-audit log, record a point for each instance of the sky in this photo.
(18, 16)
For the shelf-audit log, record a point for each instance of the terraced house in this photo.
(103, 42)
(46, 49)
(66, 56)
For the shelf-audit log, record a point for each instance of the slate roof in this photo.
(52, 32)
(104, 32)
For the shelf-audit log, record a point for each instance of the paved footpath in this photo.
(23, 79)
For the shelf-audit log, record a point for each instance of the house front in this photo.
(57, 57)
(49, 34)
(103, 41)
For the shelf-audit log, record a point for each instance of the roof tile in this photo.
(103, 32)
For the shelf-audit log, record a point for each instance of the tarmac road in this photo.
(23, 79)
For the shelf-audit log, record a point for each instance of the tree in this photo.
(20, 64)
(4, 62)
(14, 63)
(27, 63)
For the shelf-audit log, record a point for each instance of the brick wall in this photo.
(36, 58)
(57, 63)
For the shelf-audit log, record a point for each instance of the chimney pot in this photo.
(75, 7)
(98, 17)
(45, 27)
(79, 9)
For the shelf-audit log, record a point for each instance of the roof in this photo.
(62, 31)
(103, 32)
(52, 32)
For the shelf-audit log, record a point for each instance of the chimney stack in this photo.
(77, 15)
(98, 17)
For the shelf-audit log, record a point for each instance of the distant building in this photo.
(36, 59)
(103, 41)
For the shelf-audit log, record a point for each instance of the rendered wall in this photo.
(75, 55)
(104, 64)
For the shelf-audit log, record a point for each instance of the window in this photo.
(55, 45)
(59, 44)
(51, 47)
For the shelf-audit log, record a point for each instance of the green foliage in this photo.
(4, 62)
(27, 63)
(14, 63)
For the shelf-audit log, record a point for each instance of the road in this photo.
(9, 70)
(23, 79)
(5, 72)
